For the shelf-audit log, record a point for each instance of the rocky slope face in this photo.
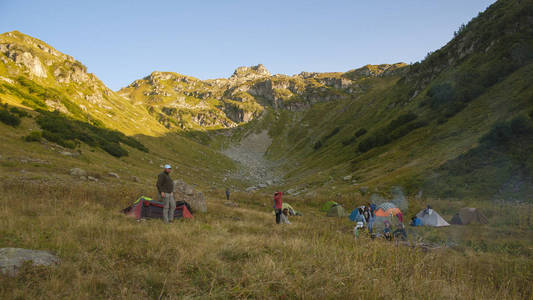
(35, 75)
(190, 103)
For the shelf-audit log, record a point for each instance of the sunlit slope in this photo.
(35, 75)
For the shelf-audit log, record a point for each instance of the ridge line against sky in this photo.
(123, 41)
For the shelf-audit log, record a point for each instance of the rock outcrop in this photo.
(11, 259)
(185, 192)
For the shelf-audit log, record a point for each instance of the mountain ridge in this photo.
(382, 125)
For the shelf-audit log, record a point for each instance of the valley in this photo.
(453, 130)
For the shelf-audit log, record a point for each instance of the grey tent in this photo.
(469, 215)
(429, 217)
(337, 211)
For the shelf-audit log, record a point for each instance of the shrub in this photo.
(401, 120)
(360, 132)
(404, 130)
(521, 125)
(352, 139)
(18, 112)
(317, 145)
(9, 119)
(396, 129)
(441, 94)
(376, 140)
(505, 131)
(68, 132)
(56, 138)
(34, 136)
(332, 133)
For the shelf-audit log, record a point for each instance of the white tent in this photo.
(430, 217)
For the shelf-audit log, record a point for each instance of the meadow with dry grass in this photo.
(239, 253)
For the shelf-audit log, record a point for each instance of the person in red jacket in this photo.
(277, 206)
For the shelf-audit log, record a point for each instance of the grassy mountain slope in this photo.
(416, 121)
(35, 75)
(92, 124)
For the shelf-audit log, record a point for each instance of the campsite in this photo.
(230, 251)
(266, 149)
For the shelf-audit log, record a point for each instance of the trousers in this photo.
(278, 215)
(169, 206)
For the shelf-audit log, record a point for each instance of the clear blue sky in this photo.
(121, 41)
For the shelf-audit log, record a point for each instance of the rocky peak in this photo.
(375, 70)
(252, 72)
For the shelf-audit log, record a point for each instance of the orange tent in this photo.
(387, 209)
(380, 212)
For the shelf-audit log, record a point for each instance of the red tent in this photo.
(146, 207)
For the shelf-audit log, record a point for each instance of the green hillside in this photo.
(414, 127)
(366, 129)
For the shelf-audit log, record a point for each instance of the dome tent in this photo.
(337, 211)
(469, 215)
(146, 207)
(387, 209)
(430, 217)
(328, 205)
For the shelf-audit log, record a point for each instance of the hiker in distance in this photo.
(277, 206)
(227, 193)
(165, 189)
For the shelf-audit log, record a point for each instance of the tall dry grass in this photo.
(228, 253)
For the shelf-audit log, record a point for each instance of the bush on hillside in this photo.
(68, 133)
(440, 95)
(332, 133)
(34, 136)
(396, 129)
(401, 120)
(9, 119)
(360, 132)
(505, 131)
(352, 139)
(319, 144)
(19, 112)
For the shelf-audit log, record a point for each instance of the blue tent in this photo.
(354, 214)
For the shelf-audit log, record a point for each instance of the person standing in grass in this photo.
(227, 193)
(165, 189)
(277, 206)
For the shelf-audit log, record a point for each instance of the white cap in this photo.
(167, 166)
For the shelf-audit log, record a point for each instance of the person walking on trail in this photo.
(277, 206)
(227, 194)
(165, 189)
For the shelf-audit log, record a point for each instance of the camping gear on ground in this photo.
(400, 233)
(146, 207)
(284, 218)
(387, 209)
(469, 215)
(292, 211)
(415, 221)
(336, 211)
(430, 217)
(328, 205)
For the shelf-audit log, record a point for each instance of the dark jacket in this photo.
(164, 183)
